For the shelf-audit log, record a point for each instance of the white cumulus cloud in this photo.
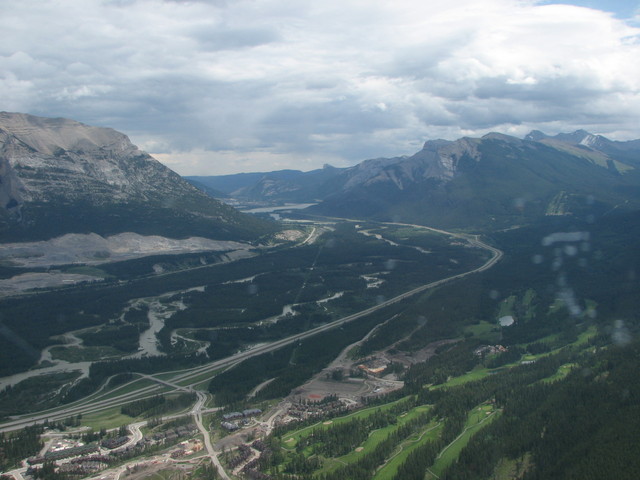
(215, 87)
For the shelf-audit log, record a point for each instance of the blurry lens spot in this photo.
(570, 250)
(620, 334)
(390, 264)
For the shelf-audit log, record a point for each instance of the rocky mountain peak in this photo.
(435, 145)
(535, 136)
(57, 166)
(51, 135)
(54, 157)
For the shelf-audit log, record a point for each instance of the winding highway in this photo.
(185, 380)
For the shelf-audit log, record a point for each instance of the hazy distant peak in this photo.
(435, 145)
(575, 138)
(502, 137)
(535, 136)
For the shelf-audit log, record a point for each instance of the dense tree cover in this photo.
(451, 405)
(146, 266)
(416, 464)
(32, 394)
(291, 365)
(561, 271)
(340, 439)
(122, 337)
(363, 468)
(138, 315)
(279, 277)
(16, 446)
(157, 405)
(582, 427)
(555, 299)
(48, 471)
(206, 471)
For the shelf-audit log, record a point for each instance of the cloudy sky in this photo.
(225, 86)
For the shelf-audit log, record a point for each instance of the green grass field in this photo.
(506, 306)
(486, 331)
(389, 469)
(290, 440)
(375, 437)
(109, 418)
(562, 372)
(477, 373)
(477, 418)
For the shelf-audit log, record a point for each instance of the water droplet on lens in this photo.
(570, 250)
(620, 334)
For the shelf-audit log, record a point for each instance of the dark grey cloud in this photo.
(222, 86)
(219, 37)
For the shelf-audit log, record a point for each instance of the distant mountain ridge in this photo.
(494, 181)
(60, 176)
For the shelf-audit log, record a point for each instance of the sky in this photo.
(214, 87)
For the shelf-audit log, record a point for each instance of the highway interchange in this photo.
(188, 380)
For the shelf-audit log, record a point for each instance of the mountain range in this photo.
(60, 176)
(489, 182)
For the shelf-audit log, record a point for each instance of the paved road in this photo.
(194, 375)
(196, 411)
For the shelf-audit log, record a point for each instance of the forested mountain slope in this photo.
(60, 176)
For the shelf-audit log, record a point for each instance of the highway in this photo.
(93, 403)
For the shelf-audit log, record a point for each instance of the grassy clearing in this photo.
(509, 469)
(375, 437)
(584, 337)
(489, 332)
(168, 376)
(478, 417)
(109, 418)
(389, 469)
(132, 387)
(562, 372)
(290, 440)
(527, 303)
(203, 378)
(528, 297)
(480, 372)
(581, 342)
(168, 474)
(477, 373)
(84, 354)
(506, 306)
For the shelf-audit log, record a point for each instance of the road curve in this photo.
(195, 374)
(197, 417)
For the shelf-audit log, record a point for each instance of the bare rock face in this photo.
(55, 167)
(54, 158)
